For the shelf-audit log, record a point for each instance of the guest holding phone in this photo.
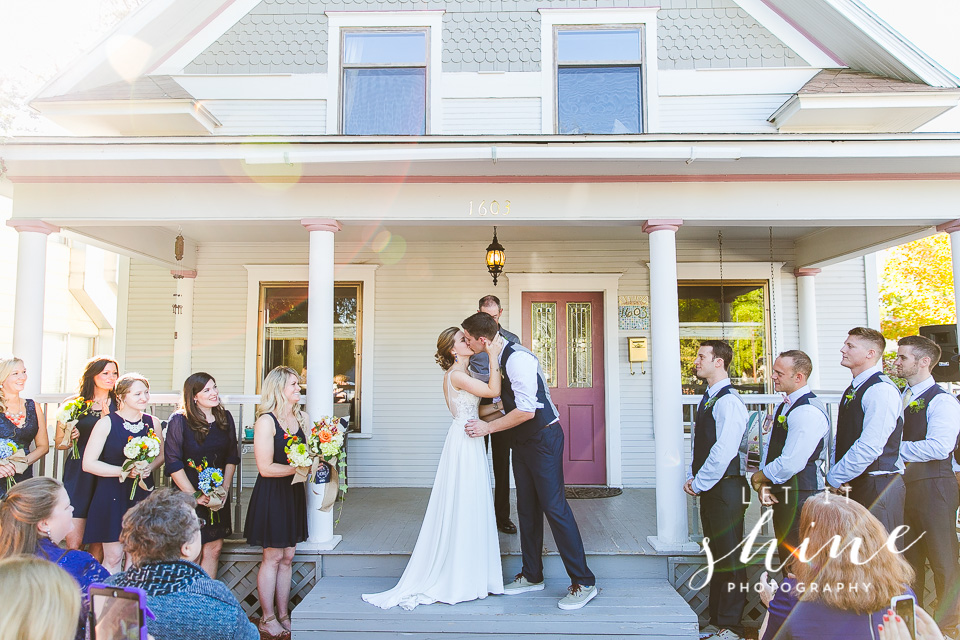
(20, 420)
(161, 535)
(202, 433)
(96, 387)
(104, 458)
(859, 593)
(277, 517)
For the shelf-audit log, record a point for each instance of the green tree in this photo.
(916, 287)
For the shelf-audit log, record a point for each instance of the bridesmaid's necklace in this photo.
(18, 418)
(284, 421)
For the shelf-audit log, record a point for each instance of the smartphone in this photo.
(905, 606)
(118, 613)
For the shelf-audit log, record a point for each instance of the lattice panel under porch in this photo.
(239, 572)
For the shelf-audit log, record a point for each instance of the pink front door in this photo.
(565, 331)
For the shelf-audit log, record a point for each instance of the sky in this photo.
(40, 37)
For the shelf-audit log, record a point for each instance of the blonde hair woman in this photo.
(277, 516)
(20, 420)
(40, 601)
(842, 597)
(104, 457)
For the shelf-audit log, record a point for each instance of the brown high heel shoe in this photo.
(266, 635)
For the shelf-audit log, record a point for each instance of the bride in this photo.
(457, 556)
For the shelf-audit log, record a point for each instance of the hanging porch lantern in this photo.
(495, 258)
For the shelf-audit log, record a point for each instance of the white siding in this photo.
(719, 114)
(150, 325)
(478, 116)
(841, 305)
(269, 117)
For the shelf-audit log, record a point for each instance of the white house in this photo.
(664, 169)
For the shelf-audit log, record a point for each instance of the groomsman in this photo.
(490, 409)
(790, 470)
(869, 426)
(931, 424)
(716, 476)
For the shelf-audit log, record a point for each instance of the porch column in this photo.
(320, 362)
(28, 302)
(953, 228)
(672, 531)
(183, 326)
(807, 308)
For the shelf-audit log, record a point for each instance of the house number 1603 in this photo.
(493, 208)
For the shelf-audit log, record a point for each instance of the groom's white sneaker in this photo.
(578, 596)
(521, 585)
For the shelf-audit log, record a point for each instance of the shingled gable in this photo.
(848, 101)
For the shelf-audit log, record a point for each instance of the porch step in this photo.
(391, 565)
(625, 608)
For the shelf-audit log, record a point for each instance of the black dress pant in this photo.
(883, 495)
(931, 510)
(538, 472)
(501, 474)
(721, 514)
(786, 519)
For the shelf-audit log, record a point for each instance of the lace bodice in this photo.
(462, 404)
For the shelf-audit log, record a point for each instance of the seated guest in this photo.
(838, 598)
(40, 601)
(35, 516)
(161, 535)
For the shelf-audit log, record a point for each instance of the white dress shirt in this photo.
(730, 414)
(881, 410)
(523, 369)
(943, 425)
(807, 427)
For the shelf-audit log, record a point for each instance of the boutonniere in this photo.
(917, 405)
(710, 402)
(848, 396)
(782, 421)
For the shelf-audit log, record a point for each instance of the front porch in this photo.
(644, 593)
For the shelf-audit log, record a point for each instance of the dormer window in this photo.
(598, 80)
(385, 82)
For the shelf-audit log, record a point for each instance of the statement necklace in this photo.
(18, 419)
(133, 427)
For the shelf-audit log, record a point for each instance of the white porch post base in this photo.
(672, 531)
(320, 362)
(29, 298)
(807, 308)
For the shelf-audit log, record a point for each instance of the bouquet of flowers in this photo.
(210, 484)
(139, 452)
(325, 443)
(69, 414)
(298, 456)
(11, 452)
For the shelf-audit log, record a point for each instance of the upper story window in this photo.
(599, 81)
(385, 82)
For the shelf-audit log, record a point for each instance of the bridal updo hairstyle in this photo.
(126, 382)
(445, 343)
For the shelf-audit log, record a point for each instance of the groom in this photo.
(537, 465)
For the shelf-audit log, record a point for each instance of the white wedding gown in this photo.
(457, 556)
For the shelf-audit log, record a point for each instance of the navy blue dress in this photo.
(111, 498)
(220, 448)
(277, 516)
(78, 483)
(23, 437)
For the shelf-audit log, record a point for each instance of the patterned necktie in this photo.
(907, 397)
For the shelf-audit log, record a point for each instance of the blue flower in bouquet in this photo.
(8, 448)
(210, 478)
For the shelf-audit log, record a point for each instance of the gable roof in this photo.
(835, 81)
(162, 31)
(143, 88)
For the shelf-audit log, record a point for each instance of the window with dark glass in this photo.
(283, 331)
(599, 81)
(384, 82)
(735, 312)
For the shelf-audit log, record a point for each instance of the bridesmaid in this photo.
(96, 386)
(203, 430)
(104, 457)
(277, 516)
(20, 420)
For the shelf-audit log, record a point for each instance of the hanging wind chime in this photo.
(178, 275)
